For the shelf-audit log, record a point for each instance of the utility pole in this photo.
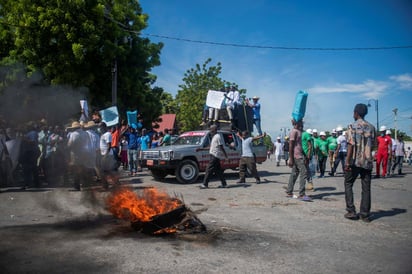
(395, 111)
(377, 111)
(114, 82)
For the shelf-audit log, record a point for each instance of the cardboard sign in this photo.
(215, 99)
(110, 116)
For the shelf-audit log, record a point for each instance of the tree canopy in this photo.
(77, 43)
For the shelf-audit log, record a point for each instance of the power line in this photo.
(278, 47)
(126, 28)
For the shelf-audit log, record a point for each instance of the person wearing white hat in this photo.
(278, 150)
(332, 145)
(383, 153)
(307, 147)
(322, 153)
(78, 143)
(340, 152)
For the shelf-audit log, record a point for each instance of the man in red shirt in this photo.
(384, 150)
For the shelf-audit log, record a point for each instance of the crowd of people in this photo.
(322, 148)
(81, 153)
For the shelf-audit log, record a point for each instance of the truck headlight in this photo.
(166, 155)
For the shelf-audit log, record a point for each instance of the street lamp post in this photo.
(377, 111)
(395, 111)
(284, 132)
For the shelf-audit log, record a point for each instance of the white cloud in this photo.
(403, 80)
(368, 88)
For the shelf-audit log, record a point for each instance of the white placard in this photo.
(215, 99)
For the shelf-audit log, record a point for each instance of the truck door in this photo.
(231, 145)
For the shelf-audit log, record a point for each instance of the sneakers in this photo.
(222, 186)
(258, 181)
(305, 198)
(309, 186)
(351, 216)
(202, 186)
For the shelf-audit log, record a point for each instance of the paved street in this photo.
(250, 229)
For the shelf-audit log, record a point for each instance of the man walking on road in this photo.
(298, 162)
(359, 161)
(217, 152)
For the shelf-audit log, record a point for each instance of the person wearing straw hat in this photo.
(94, 148)
(255, 105)
(78, 143)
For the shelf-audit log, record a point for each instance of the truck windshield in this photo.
(189, 140)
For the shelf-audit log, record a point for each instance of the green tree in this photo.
(78, 42)
(191, 97)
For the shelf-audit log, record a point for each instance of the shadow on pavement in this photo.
(326, 194)
(386, 213)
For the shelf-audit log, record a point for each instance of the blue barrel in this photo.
(299, 107)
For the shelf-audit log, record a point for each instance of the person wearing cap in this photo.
(383, 153)
(298, 162)
(340, 152)
(361, 139)
(322, 153)
(278, 150)
(255, 105)
(308, 151)
(332, 145)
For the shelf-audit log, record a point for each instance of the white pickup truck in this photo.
(189, 155)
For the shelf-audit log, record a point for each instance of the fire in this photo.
(126, 204)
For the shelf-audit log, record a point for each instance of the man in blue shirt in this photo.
(133, 146)
(256, 112)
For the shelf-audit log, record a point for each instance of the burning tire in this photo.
(158, 174)
(187, 172)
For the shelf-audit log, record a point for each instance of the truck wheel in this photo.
(158, 174)
(187, 172)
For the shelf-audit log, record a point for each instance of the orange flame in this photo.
(126, 204)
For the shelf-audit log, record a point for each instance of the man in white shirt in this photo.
(248, 158)
(232, 101)
(78, 144)
(217, 152)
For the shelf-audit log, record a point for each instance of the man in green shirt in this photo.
(307, 147)
(322, 152)
(332, 145)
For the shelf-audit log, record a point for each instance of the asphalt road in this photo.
(250, 229)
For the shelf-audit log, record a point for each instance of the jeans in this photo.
(340, 159)
(350, 177)
(132, 156)
(257, 125)
(298, 170)
(398, 163)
